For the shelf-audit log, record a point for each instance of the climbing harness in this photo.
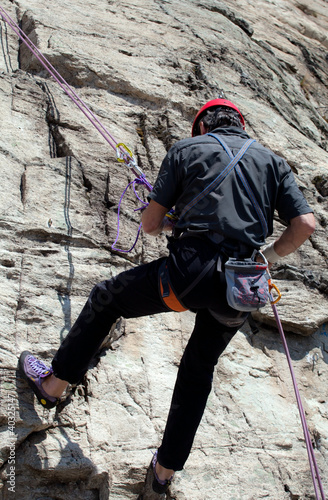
(232, 165)
(168, 294)
(123, 153)
(247, 280)
(317, 483)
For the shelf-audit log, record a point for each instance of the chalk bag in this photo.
(247, 284)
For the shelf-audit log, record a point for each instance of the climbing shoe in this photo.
(34, 371)
(154, 488)
(158, 485)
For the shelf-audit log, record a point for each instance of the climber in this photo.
(223, 224)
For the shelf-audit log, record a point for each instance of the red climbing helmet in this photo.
(214, 104)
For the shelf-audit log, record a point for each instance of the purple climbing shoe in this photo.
(159, 486)
(154, 488)
(34, 371)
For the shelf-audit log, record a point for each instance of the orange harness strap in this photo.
(168, 295)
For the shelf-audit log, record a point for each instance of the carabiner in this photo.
(272, 285)
(121, 157)
(172, 216)
(127, 158)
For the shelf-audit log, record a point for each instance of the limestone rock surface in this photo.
(144, 68)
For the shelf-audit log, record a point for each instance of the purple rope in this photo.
(146, 183)
(312, 461)
(139, 180)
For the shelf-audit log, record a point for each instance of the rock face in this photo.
(145, 69)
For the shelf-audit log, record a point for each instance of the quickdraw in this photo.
(125, 155)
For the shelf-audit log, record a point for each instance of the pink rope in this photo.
(312, 461)
(71, 93)
(140, 177)
(59, 79)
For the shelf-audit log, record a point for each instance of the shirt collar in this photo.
(230, 131)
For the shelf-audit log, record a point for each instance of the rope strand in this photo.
(133, 184)
(59, 79)
(312, 461)
(123, 153)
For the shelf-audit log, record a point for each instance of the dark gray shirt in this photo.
(191, 164)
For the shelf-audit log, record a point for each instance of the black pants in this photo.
(135, 293)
